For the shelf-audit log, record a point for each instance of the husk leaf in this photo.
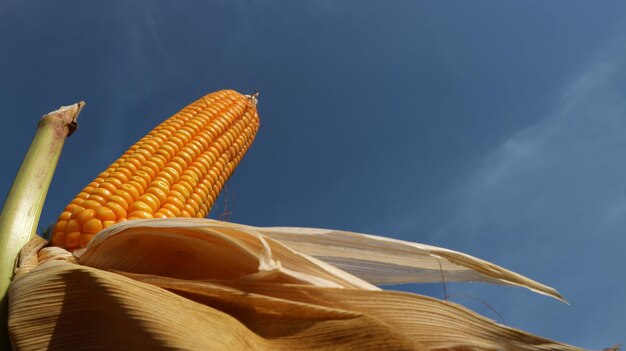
(386, 261)
(202, 284)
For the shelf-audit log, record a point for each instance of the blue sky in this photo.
(496, 128)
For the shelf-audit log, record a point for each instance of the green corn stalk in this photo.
(23, 205)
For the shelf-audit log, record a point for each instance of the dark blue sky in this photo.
(496, 128)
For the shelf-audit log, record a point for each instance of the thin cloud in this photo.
(573, 150)
(550, 202)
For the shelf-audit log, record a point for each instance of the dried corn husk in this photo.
(210, 285)
(385, 261)
(374, 259)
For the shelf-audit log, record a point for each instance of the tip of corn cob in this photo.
(176, 170)
(254, 97)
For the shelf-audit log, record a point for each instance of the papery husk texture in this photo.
(207, 285)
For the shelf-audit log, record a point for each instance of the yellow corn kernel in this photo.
(85, 215)
(104, 214)
(92, 226)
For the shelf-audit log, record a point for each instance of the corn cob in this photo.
(177, 170)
